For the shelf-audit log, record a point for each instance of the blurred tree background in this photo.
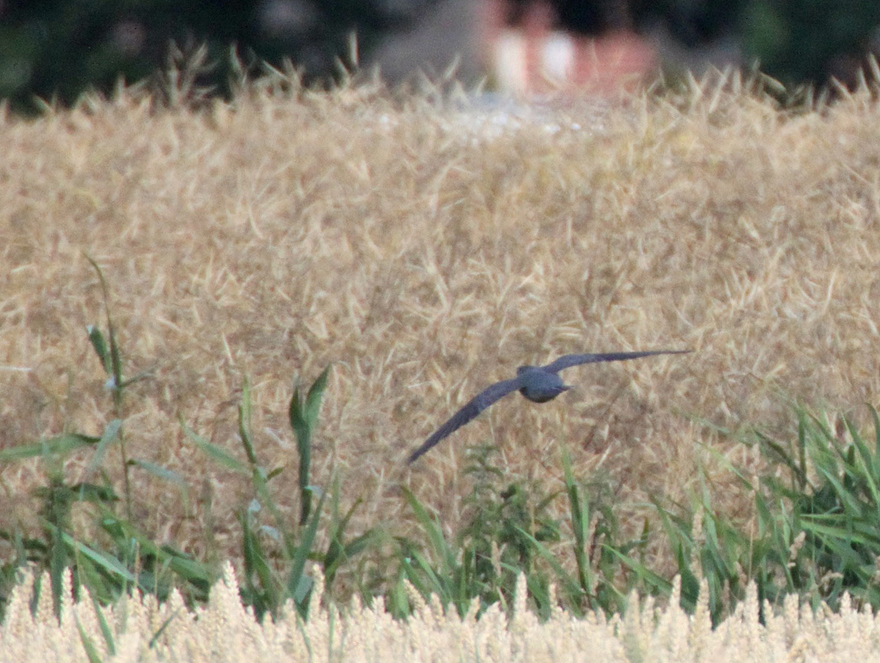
(54, 49)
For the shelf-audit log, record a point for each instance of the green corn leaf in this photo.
(111, 433)
(62, 445)
(218, 453)
(297, 584)
(100, 346)
(166, 475)
(88, 645)
(115, 366)
(303, 419)
(313, 400)
(244, 423)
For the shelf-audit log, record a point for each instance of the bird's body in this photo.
(539, 384)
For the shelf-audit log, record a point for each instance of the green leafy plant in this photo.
(111, 360)
(303, 414)
(815, 529)
(502, 537)
(131, 559)
(267, 585)
(608, 567)
(830, 524)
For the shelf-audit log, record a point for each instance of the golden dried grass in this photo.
(427, 252)
(223, 630)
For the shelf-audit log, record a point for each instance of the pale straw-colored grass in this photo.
(140, 629)
(426, 253)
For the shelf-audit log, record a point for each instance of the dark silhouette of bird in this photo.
(537, 383)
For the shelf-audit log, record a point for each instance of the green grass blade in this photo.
(106, 631)
(64, 542)
(216, 452)
(161, 629)
(580, 524)
(338, 551)
(108, 563)
(102, 589)
(654, 580)
(259, 477)
(571, 585)
(143, 375)
(303, 419)
(418, 569)
(267, 596)
(198, 574)
(442, 549)
(100, 347)
(61, 445)
(115, 359)
(166, 475)
(776, 452)
(88, 645)
(303, 432)
(111, 433)
(876, 419)
(161, 473)
(313, 400)
(296, 583)
(866, 471)
(244, 423)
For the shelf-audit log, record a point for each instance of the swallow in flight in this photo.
(537, 383)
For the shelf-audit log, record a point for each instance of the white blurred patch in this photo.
(557, 57)
(286, 18)
(128, 37)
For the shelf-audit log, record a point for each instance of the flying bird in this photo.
(537, 383)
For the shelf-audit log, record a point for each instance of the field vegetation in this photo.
(140, 629)
(169, 269)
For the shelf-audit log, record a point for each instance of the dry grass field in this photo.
(139, 629)
(426, 251)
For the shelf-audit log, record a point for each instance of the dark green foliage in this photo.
(303, 419)
(806, 41)
(797, 42)
(494, 546)
(58, 50)
(509, 532)
(55, 51)
(275, 552)
(816, 525)
(832, 526)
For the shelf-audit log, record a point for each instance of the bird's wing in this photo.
(566, 361)
(476, 405)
